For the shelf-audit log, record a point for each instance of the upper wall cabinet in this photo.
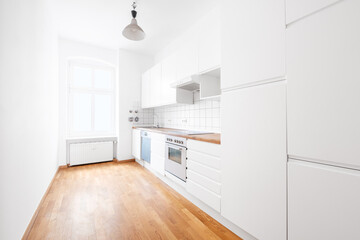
(145, 90)
(296, 9)
(323, 86)
(168, 77)
(156, 90)
(253, 43)
(155, 86)
(187, 58)
(209, 43)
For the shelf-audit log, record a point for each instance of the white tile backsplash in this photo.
(146, 116)
(202, 115)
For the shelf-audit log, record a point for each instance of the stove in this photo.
(175, 158)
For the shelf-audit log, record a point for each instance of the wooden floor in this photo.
(119, 201)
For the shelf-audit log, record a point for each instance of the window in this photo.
(91, 99)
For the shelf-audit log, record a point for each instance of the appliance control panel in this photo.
(176, 140)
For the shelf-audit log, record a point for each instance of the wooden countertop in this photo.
(210, 138)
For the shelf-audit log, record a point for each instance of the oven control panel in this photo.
(176, 140)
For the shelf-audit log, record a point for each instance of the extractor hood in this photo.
(207, 82)
(191, 83)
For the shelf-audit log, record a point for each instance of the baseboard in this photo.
(63, 166)
(33, 219)
(124, 161)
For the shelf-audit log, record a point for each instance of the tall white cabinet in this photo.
(323, 49)
(323, 86)
(253, 43)
(253, 160)
(297, 9)
(254, 157)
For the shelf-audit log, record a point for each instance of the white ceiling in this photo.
(100, 22)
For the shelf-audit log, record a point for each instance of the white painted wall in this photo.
(129, 67)
(28, 111)
(192, 31)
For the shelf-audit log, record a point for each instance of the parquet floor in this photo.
(119, 201)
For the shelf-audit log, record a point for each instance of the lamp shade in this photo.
(133, 31)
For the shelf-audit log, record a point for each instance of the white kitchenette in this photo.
(287, 164)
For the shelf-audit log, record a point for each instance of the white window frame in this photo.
(93, 91)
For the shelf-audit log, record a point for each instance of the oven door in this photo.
(175, 161)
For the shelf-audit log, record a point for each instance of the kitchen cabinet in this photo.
(253, 160)
(156, 89)
(210, 84)
(203, 172)
(323, 86)
(209, 43)
(323, 202)
(187, 58)
(155, 86)
(253, 41)
(158, 152)
(297, 9)
(146, 100)
(168, 77)
(136, 143)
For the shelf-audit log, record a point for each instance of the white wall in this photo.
(131, 67)
(28, 111)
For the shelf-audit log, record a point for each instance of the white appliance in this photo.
(207, 83)
(175, 158)
(191, 83)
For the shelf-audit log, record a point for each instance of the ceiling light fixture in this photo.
(133, 31)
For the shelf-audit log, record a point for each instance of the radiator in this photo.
(90, 152)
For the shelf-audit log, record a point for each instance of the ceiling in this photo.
(100, 22)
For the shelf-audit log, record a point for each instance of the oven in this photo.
(175, 158)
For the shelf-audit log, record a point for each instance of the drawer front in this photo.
(204, 147)
(205, 182)
(157, 137)
(206, 196)
(205, 159)
(211, 173)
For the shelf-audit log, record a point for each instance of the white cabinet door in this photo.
(145, 90)
(296, 9)
(168, 77)
(187, 59)
(323, 202)
(136, 143)
(158, 152)
(209, 44)
(155, 86)
(253, 160)
(323, 86)
(253, 41)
